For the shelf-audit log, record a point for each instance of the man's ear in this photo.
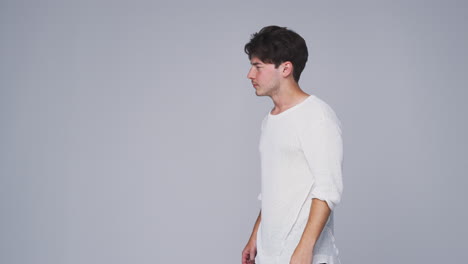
(286, 69)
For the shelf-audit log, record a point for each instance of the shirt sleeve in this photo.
(322, 144)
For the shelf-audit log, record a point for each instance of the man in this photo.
(301, 152)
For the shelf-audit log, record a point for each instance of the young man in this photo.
(301, 152)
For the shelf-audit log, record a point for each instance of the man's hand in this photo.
(301, 255)
(249, 252)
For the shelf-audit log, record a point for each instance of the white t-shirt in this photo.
(301, 153)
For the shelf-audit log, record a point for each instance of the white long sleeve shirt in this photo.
(301, 152)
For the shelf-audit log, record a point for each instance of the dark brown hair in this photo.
(274, 44)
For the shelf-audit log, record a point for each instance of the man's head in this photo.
(275, 45)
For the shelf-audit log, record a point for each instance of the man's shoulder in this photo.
(317, 108)
(316, 111)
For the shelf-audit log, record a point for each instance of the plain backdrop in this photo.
(129, 131)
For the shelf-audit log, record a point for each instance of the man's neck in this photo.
(287, 97)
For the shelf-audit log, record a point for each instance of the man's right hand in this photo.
(249, 252)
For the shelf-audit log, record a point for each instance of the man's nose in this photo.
(250, 74)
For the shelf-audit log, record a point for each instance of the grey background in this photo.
(129, 132)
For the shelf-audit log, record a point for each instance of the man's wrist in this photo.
(253, 238)
(307, 245)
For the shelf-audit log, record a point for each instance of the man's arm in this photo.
(318, 216)
(250, 250)
(255, 229)
(323, 148)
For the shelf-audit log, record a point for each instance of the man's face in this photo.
(264, 76)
